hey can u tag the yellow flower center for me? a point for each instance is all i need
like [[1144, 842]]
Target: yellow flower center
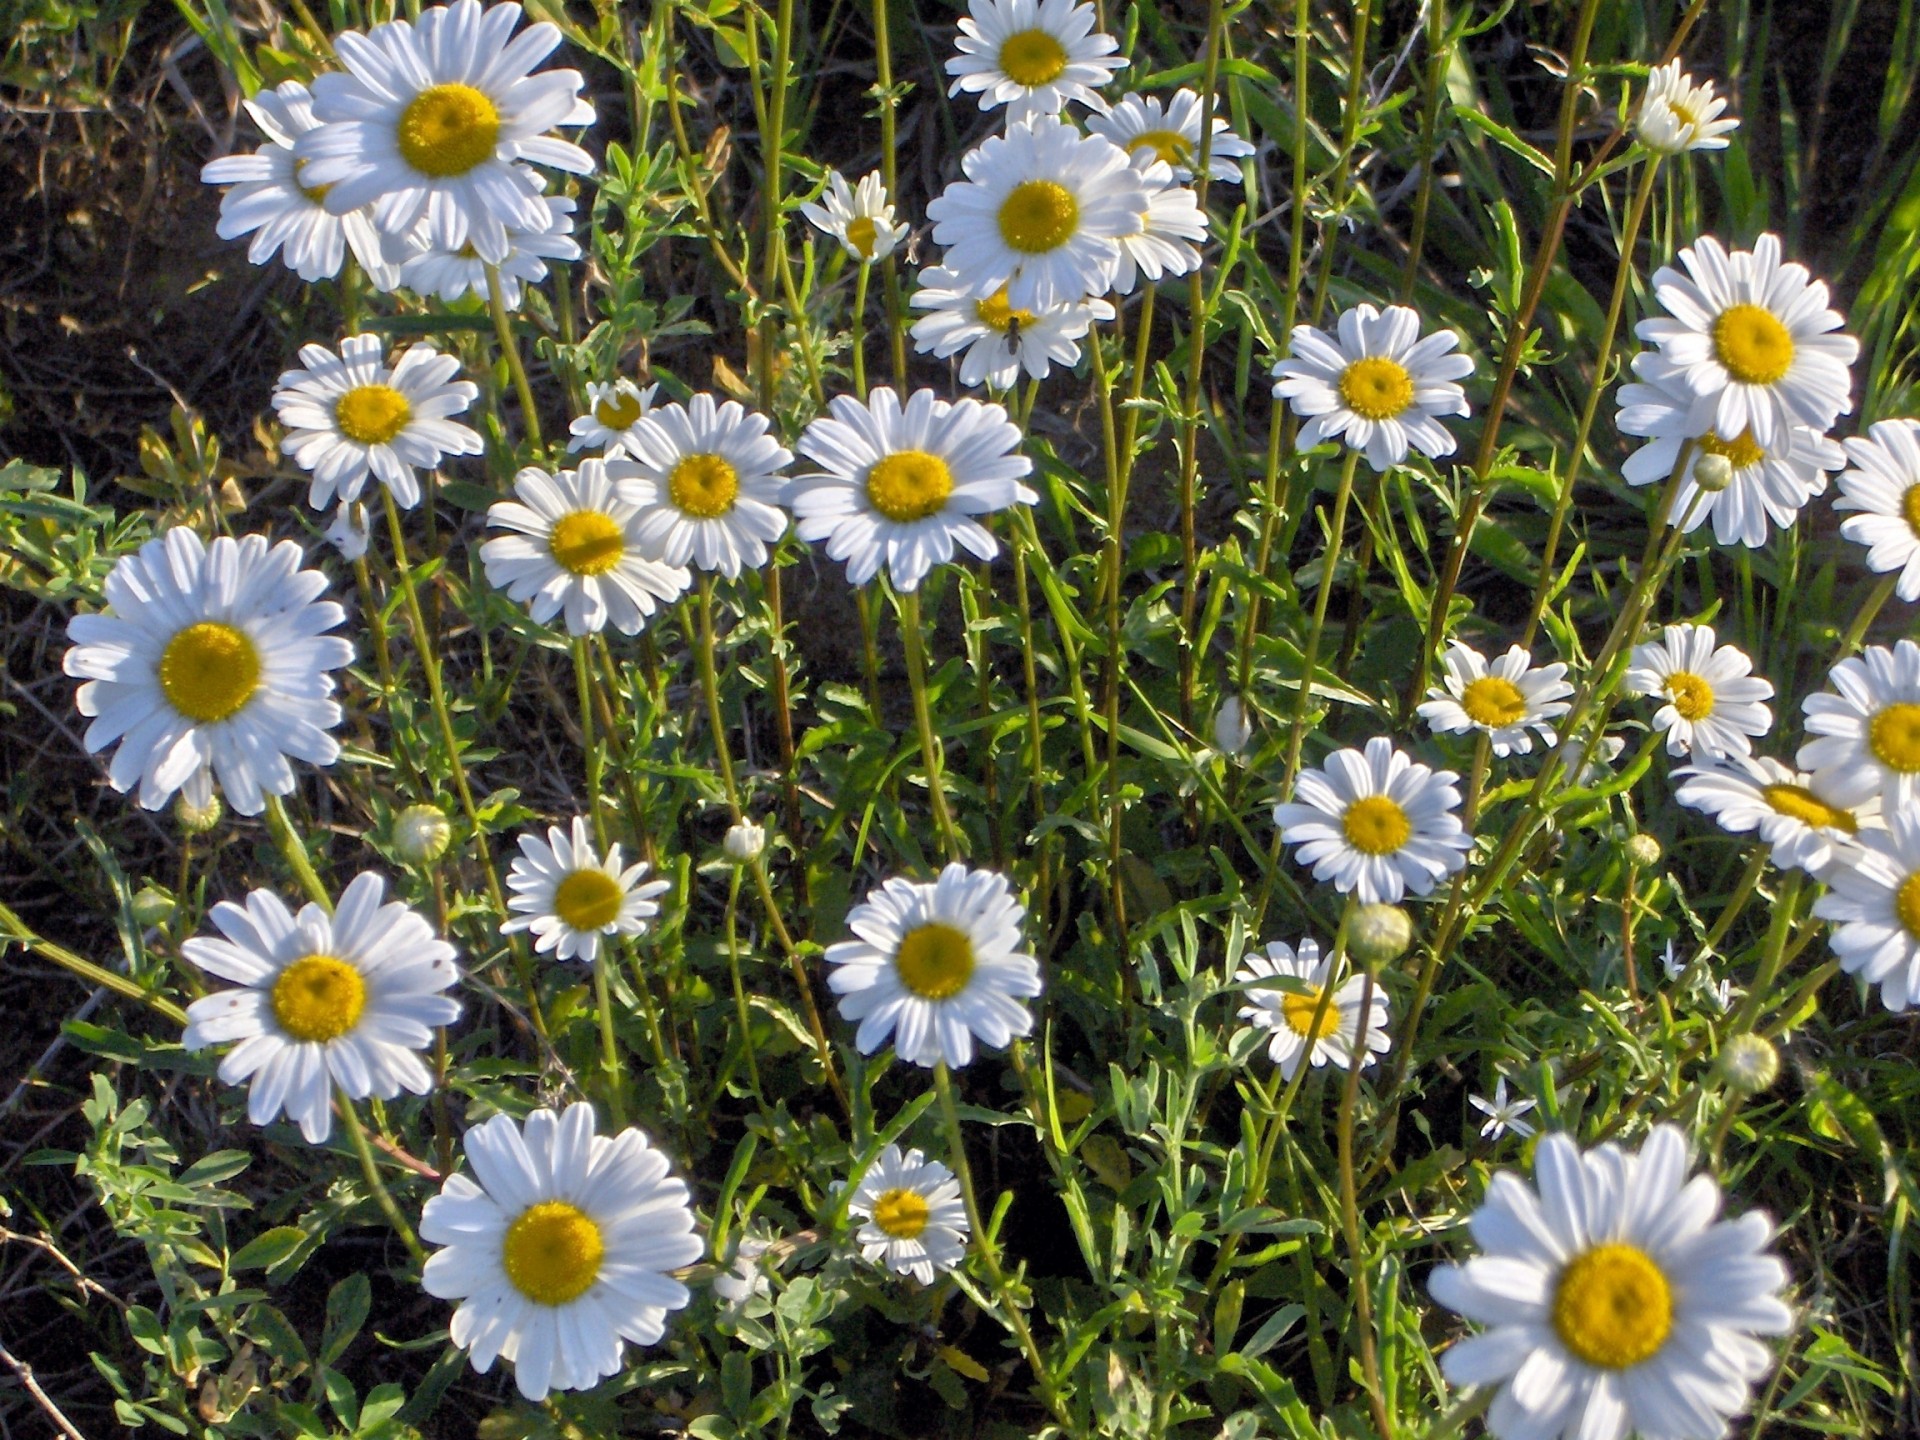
[[935, 961], [909, 485], [1692, 697], [1684, 114], [1032, 57], [861, 235], [1168, 145], [552, 1253], [618, 410], [903, 1214], [372, 414], [1376, 388], [209, 671], [1894, 737], [1376, 825], [1753, 345], [1493, 701], [1739, 452], [1038, 216], [448, 129], [1799, 803], [1906, 904], [1910, 509], [318, 998], [587, 542], [703, 486], [994, 311], [1298, 1011], [316, 193], [588, 900], [1613, 1308]]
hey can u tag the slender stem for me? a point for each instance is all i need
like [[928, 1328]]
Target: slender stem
[[1876, 599], [1350, 1215], [1112, 564], [510, 352], [742, 1016], [909, 606], [1310, 653], [595, 757], [609, 1045], [295, 853], [86, 970], [382, 1196], [710, 683], [1771, 957], [858, 327]]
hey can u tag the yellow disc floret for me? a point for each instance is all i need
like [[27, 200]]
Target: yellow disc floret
[[935, 961], [909, 485], [552, 1253], [1038, 216], [588, 900], [902, 1214], [587, 542], [1893, 734], [1799, 803], [1298, 1011], [995, 312], [1376, 825], [1910, 509], [318, 998], [1493, 701], [618, 410], [1376, 388], [703, 486], [1739, 452], [1691, 696], [1168, 145], [372, 414], [209, 671], [1613, 1307], [861, 235], [1752, 344], [1906, 904], [448, 129], [1032, 57]]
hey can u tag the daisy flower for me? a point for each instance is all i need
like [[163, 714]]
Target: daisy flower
[[1376, 824], [1679, 113], [1884, 486], [569, 897], [860, 219], [1042, 211], [286, 217], [902, 486], [579, 549], [916, 1222], [435, 122], [343, 1000], [1145, 128], [347, 532], [1867, 737], [1617, 1302], [612, 412], [560, 1248], [212, 662], [935, 966], [1874, 902], [450, 274], [1163, 243], [1504, 699], [1288, 1015], [1032, 56], [1803, 827], [1770, 482], [1714, 702], [705, 479], [349, 416], [744, 1280], [994, 341], [1503, 1114], [1753, 334], [1376, 384]]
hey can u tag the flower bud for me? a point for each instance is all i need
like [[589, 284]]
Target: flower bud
[[196, 819], [1749, 1064], [152, 906], [422, 833], [1643, 851], [1713, 473], [1379, 933], [1231, 728], [744, 843]]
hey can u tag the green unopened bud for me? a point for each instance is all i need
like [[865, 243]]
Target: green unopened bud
[[152, 906], [1713, 473], [1749, 1064], [421, 833], [1379, 933], [196, 819], [1643, 851]]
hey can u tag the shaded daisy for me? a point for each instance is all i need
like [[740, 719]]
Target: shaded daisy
[[1289, 1014], [916, 1222], [994, 341], [1377, 824], [1165, 242], [613, 410], [860, 219], [1144, 127], [1884, 486], [1714, 702], [1032, 56], [1874, 901], [569, 897], [451, 274], [1375, 384], [1745, 794], [706, 481], [1866, 731], [1679, 113], [1503, 699]]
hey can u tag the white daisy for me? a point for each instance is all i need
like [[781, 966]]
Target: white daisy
[[349, 416], [1042, 211], [612, 412], [916, 1220], [706, 481], [347, 532], [934, 966], [563, 1250], [744, 1280], [437, 120], [996, 342], [1867, 737], [1874, 902], [1142, 126], [1679, 113], [1753, 333], [1770, 482], [283, 215], [450, 274], [1288, 1014], [860, 219], [1033, 56], [569, 897], [1162, 245], [1503, 1114], [328, 1000], [902, 486], [1376, 384], [1504, 699], [1376, 824], [1884, 485], [1786, 807], [1714, 702], [212, 662]]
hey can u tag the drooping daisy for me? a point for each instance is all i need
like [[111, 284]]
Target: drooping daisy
[[1503, 1114], [902, 486], [1376, 384], [1617, 1302], [1770, 482], [450, 274], [1714, 701], [569, 897], [1679, 113], [1868, 735], [343, 1000], [560, 1249], [349, 416], [1142, 126], [579, 550], [1884, 486], [1288, 1015], [705, 479], [1755, 793], [1032, 56], [916, 1222], [1755, 334], [212, 662], [935, 966], [860, 219], [1376, 824], [612, 412], [284, 216], [1164, 243], [1504, 699], [1874, 902], [1041, 211], [994, 341]]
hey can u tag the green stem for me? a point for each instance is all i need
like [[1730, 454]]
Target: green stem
[[609, 1045], [1310, 653], [290, 846], [858, 326], [710, 683], [510, 352], [382, 1196], [595, 757], [86, 970], [909, 610], [1350, 1211]]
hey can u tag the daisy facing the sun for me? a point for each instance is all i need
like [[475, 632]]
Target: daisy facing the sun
[[1377, 823], [570, 898], [1286, 993], [1502, 699]]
